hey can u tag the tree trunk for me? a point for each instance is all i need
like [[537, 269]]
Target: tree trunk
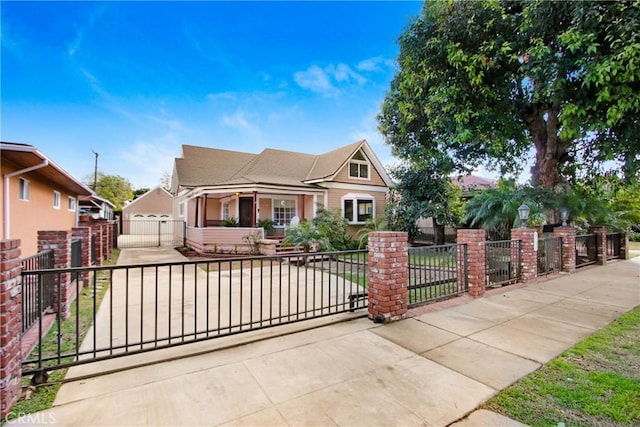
[[550, 150]]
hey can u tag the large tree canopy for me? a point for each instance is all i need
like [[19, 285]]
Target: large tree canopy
[[484, 82], [114, 188]]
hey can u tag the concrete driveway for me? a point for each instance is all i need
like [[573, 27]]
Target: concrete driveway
[[432, 369]]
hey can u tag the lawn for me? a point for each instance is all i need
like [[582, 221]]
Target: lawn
[[595, 383]]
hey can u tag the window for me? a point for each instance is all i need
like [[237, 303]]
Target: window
[[225, 210], [283, 211], [72, 203], [23, 189], [56, 199], [359, 166], [358, 208]]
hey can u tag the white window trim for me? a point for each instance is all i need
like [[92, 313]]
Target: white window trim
[[56, 199], [72, 204], [360, 162], [181, 209], [24, 194], [273, 209], [355, 197]]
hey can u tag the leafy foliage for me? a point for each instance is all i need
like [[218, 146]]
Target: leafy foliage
[[334, 227], [485, 82], [114, 188], [306, 235]]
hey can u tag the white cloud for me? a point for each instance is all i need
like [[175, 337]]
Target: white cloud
[[332, 79], [317, 80], [237, 120], [145, 161], [375, 64]]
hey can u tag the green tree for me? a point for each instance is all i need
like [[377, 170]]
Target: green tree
[[485, 82], [114, 188], [334, 227]]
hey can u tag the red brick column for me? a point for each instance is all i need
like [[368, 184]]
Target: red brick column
[[477, 259], [568, 235], [84, 233], [388, 266], [624, 246], [97, 230], [601, 243], [10, 325], [60, 242], [528, 253]]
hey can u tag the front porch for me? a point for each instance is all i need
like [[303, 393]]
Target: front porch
[[224, 221]]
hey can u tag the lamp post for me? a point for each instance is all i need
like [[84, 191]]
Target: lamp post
[[523, 211], [564, 215]]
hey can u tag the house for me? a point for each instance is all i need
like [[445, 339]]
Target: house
[[156, 205], [96, 207], [36, 195], [469, 183], [213, 185]]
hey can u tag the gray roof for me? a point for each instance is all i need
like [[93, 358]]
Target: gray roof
[[202, 166]]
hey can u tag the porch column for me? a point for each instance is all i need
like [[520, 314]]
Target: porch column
[[197, 211], [204, 211]]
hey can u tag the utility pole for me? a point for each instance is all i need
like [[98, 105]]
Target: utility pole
[[95, 173]]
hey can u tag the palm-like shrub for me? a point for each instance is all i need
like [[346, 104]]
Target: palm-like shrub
[[305, 235]]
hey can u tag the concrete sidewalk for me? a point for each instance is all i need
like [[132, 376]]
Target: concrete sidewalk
[[433, 369]]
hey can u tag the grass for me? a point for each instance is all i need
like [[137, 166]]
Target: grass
[[43, 396], [596, 383]]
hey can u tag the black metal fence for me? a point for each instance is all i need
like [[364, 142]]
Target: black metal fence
[[37, 291], [614, 243], [151, 233], [437, 272], [586, 250], [148, 307], [76, 253], [502, 262], [549, 255]]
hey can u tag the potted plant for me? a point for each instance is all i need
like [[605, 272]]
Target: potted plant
[[268, 225]]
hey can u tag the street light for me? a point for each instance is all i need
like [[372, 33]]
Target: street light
[[564, 215], [523, 211]]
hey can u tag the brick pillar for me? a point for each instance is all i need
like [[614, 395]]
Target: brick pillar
[[624, 246], [97, 230], [601, 243], [10, 325], [60, 242], [388, 266], [568, 235], [84, 233], [476, 259], [528, 253]]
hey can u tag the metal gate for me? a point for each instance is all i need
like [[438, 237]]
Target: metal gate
[[151, 233], [136, 308], [502, 262], [436, 273], [549, 255]]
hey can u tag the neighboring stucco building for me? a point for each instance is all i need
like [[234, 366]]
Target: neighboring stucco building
[[36, 195]]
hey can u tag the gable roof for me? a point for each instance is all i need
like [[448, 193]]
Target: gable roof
[[201, 166], [473, 182], [27, 156]]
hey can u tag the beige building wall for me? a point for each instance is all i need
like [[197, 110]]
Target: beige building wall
[[156, 201], [27, 217]]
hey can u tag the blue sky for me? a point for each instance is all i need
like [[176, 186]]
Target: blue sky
[[134, 81]]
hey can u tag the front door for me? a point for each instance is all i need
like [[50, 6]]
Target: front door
[[246, 211]]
